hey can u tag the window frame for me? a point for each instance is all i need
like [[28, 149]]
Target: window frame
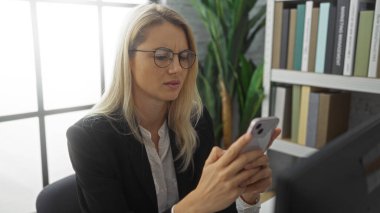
[[41, 113]]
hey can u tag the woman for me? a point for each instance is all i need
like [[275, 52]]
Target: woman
[[147, 146]]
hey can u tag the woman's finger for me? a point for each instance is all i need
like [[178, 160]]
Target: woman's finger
[[243, 160], [263, 173], [242, 177], [214, 155], [275, 134], [234, 150], [259, 186], [262, 161]]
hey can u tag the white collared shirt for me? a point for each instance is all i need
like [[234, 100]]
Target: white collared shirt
[[164, 176], [162, 166]]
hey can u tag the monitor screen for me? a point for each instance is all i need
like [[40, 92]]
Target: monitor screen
[[344, 176]]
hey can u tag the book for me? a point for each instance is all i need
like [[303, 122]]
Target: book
[[333, 116], [375, 44], [272, 100], [351, 37], [363, 44], [292, 38], [329, 55], [304, 107], [278, 8], [341, 23], [284, 38], [282, 109], [313, 39], [300, 25], [296, 98], [306, 36], [378, 66], [312, 120], [323, 21], [306, 92]]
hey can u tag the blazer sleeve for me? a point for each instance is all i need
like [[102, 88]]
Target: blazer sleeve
[[98, 189]]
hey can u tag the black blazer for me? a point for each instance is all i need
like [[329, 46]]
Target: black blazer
[[113, 171]]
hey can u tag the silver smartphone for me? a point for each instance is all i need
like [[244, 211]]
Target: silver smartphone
[[261, 130]]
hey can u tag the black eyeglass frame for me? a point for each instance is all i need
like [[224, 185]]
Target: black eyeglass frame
[[171, 58]]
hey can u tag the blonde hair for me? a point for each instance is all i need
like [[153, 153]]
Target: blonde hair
[[182, 112]]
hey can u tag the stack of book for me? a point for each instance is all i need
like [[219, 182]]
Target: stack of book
[[311, 116], [339, 37]]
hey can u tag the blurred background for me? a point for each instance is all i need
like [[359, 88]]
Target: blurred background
[[56, 58]]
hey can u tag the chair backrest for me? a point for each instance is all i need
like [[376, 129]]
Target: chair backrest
[[59, 197]]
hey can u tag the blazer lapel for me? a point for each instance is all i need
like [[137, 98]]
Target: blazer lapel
[[140, 164], [184, 179]]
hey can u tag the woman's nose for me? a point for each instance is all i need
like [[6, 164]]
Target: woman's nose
[[175, 66]]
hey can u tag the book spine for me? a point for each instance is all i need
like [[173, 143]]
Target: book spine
[[322, 37], [284, 38], [330, 39], [378, 66], [375, 44], [323, 115], [306, 36], [299, 36], [292, 38], [340, 36], [363, 43], [305, 94], [296, 98], [313, 39], [277, 34], [312, 120], [279, 106], [287, 123], [351, 38]]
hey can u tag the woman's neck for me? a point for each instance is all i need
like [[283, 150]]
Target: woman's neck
[[151, 114]]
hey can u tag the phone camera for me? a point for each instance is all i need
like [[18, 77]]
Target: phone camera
[[260, 131], [258, 126]]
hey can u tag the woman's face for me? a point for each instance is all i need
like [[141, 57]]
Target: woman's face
[[151, 82]]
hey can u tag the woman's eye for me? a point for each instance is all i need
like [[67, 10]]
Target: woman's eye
[[184, 56], [161, 57]]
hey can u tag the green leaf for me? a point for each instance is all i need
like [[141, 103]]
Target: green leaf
[[232, 29], [253, 98]]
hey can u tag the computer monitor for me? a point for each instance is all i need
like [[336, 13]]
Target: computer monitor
[[344, 176]]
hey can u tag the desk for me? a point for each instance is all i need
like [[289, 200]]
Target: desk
[[268, 206]]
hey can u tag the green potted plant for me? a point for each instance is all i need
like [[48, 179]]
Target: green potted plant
[[227, 75]]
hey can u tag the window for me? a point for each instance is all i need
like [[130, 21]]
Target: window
[[70, 55], [53, 68], [17, 67]]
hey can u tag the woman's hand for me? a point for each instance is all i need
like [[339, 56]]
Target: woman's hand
[[262, 179], [228, 174], [222, 175]]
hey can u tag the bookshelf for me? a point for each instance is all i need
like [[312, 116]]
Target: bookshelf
[[339, 82], [292, 149], [296, 77]]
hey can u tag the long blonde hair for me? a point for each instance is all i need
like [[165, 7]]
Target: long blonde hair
[[183, 111]]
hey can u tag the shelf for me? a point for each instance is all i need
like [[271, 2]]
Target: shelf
[[349, 83], [292, 148]]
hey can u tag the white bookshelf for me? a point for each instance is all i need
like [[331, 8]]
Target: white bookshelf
[[292, 149], [338, 82]]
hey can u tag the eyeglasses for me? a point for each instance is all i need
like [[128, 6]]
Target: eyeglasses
[[163, 57]]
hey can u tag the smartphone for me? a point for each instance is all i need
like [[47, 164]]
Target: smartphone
[[261, 130]]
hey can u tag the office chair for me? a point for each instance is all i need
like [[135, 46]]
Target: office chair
[[59, 197]]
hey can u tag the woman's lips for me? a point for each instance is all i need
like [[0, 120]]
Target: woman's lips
[[174, 84]]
